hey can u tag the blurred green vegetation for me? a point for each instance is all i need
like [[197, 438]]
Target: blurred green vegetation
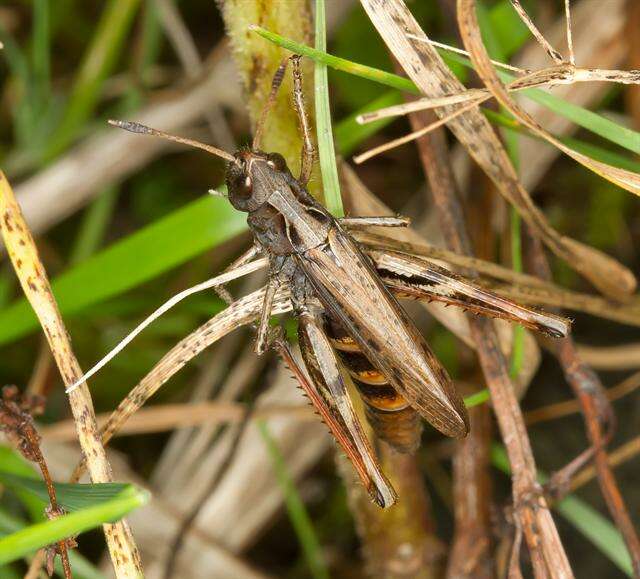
[[68, 65]]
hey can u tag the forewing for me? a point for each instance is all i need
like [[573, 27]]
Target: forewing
[[348, 285]]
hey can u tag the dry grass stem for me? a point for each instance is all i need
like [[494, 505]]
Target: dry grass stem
[[562, 74], [35, 284], [624, 357], [471, 550], [473, 42], [394, 21], [567, 12], [435, 79], [562, 409], [205, 285], [620, 455], [584, 382], [166, 417], [605, 44], [457, 50], [415, 135], [600, 423], [242, 312], [552, 52]]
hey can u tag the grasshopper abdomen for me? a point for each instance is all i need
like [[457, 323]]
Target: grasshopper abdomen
[[388, 412]]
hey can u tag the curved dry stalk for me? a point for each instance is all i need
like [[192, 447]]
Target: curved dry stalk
[[584, 382], [214, 282], [473, 41], [240, 313], [427, 70], [35, 284], [599, 424], [605, 44]]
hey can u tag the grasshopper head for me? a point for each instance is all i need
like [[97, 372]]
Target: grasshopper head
[[253, 176]]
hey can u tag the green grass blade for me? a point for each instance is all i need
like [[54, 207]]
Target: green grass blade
[[41, 50], [97, 64], [18, 544], [13, 463], [327, 154], [295, 508], [94, 225], [337, 63], [596, 528], [590, 149], [597, 124], [72, 497], [476, 399], [140, 257], [82, 568]]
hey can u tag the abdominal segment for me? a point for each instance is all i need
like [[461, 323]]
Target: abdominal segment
[[390, 415]]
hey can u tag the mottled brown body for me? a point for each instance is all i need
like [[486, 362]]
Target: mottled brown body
[[345, 307], [346, 312]]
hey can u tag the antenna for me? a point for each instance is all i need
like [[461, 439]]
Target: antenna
[[133, 127]]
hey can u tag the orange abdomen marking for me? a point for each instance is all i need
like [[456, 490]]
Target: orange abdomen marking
[[390, 415]]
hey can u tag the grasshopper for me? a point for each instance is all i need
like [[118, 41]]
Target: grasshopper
[[344, 295]]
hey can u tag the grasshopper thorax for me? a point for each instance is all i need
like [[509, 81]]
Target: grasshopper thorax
[[253, 176]]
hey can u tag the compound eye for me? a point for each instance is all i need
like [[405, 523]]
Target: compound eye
[[245, 187], [277, 160]]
